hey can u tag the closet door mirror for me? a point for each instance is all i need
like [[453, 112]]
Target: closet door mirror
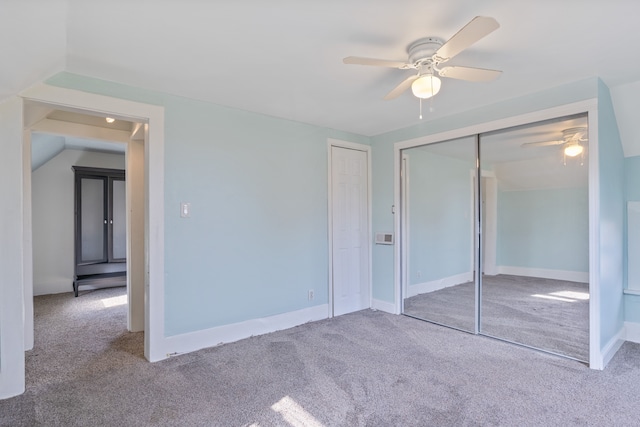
[[535, 228], [438, 200]]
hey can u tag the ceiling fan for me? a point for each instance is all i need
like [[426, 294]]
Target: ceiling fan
[[427, 54], [572, 143]]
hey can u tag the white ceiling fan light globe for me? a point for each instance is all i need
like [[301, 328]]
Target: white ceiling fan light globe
[[426, 86], [573, 150]]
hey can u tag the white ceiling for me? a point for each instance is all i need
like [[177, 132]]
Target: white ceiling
[[284, 57]]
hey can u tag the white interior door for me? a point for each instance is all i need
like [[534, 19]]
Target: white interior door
[[350, 230]]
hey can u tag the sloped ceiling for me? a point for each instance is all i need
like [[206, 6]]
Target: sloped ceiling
[[56, 130], [45, 147], [284, 57]]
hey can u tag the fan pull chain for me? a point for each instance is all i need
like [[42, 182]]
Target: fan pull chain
[[420, 99]]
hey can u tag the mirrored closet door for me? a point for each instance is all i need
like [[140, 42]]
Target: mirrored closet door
[[438, 227], [531, 246], [535, 287]]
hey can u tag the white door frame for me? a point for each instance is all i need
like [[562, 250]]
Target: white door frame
[[12, 248], [405, 209], [590, 107], [488, 264], [367, 149], [153, 116]]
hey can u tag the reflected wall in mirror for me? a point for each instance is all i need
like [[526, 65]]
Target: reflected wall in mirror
[[438, 232], [535, 287]]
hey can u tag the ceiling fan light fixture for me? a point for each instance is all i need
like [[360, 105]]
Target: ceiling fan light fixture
[[573, 150], [426, 86]]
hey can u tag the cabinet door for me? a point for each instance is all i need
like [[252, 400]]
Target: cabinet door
[[118, 221], [93, 220]]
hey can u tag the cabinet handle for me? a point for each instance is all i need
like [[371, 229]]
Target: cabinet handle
[[105, 221], [111, 222]]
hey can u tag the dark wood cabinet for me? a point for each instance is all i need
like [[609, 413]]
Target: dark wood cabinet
[[100, 227]]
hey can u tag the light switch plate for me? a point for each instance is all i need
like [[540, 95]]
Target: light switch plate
[[185, 210], [384, 238]]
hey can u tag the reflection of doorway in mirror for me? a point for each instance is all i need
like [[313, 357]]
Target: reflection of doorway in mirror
[[488, 241], [483, 223], [489, 222]]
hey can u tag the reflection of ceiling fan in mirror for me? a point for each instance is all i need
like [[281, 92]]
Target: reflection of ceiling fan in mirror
[[572, 141], [427, 54]]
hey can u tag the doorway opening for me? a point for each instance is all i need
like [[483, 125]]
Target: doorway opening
[[62, 142], [146, 298]]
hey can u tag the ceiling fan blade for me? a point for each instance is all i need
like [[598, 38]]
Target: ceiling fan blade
[[542, 143], [580, 136], [477, 28], [469, 73], [376, 62], [404, 85]]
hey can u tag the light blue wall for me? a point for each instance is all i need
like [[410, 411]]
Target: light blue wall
[[632, 308], [612, 214], [546, 229], [256, 241], [382, 255], [440, 215], [632, 191], [632, 178], [44, 147], [632, 184], [382, 146]]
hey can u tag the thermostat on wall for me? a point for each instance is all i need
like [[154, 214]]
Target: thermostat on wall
[[384, 239]]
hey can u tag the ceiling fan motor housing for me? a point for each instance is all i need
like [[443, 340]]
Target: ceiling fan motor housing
[[421, 51], [576, 133]]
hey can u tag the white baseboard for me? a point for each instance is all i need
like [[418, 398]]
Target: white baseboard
[[436, 285], [53, 287], [185, 343], [571, 276], [632, 331], [388, 307], [611, 348], [67, 287]]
